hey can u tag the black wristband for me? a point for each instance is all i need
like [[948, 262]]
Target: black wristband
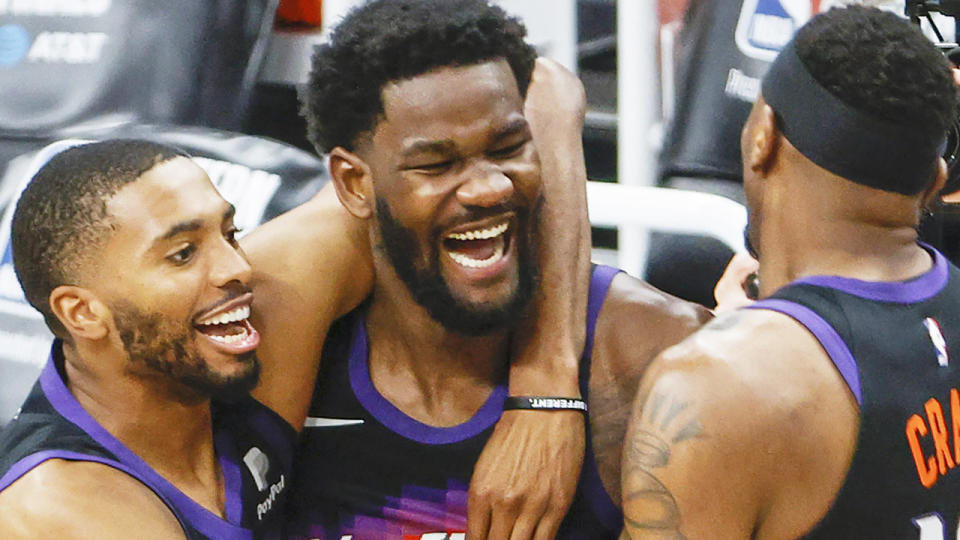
[[539, 403]]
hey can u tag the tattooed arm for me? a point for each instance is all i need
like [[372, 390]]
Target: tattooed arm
[[727, 434]]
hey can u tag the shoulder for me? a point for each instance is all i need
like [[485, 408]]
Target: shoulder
[[755, 376], [83, 500], [749, 406], [637, 321]]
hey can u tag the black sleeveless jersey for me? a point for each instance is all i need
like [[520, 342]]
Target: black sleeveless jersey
[[366, 470], [254, 446], [892, 341]]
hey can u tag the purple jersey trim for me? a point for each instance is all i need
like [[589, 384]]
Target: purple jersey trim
[[831, 342], [599, 284], [597, 497], [32, 461], [232, 476], [918, 289], [199, 517], [395, 420]]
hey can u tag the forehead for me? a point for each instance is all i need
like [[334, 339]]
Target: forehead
[[451, 101], [172, 192]]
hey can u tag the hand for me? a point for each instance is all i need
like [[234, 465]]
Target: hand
[[555, 95], [738, 278], [525, 494]]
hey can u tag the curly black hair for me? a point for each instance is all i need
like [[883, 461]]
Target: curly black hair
[[61, 216], [384, 41], [881, 64]]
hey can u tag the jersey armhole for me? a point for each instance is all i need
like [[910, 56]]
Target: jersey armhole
[[32, 461], [828, 337]]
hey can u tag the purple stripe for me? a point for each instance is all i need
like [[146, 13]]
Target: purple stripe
[[590, 483], [918, 289], [395, 420], [199, 517], [599, 284], [28, 463], [232, 479], [831, 342], [597, 497]]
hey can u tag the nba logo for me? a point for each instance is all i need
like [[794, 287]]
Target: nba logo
[[765, 26]]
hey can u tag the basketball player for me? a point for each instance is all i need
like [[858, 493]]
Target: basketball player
[[830, 408], [139, 225], [141, 424], [420, 105]]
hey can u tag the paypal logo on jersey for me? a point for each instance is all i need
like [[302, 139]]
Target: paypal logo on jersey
[[765, 26]]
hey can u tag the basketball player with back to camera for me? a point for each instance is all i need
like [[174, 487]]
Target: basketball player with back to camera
[[829, 408]]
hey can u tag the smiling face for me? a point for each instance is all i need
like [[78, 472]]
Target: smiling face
[[175, 281], [457, 184]]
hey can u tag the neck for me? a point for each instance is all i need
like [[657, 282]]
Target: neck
[[175, 438], [841, 229], [432, 374]]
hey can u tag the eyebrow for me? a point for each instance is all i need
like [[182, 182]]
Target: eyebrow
[[517, 125], [194, 224], [443, 146], [447, 146]]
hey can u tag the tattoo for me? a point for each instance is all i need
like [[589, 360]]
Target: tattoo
[[650, 510]]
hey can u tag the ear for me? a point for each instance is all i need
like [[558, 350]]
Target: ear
[[930, 195], [762, 139], [351, 178], [80, 312]]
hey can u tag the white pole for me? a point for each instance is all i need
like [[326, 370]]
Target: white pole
[[636, 104]]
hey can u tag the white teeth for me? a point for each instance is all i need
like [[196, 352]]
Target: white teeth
[[482, 234], [228, 340], [238, 314], [464, 260]]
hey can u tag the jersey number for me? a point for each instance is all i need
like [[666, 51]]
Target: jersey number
[[931, 527]]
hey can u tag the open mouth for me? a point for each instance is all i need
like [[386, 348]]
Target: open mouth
[[230, 328], [478, 248]]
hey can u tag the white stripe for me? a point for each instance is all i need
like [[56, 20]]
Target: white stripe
[[317, 421]]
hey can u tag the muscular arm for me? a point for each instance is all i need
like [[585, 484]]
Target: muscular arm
[[526, 477], [311, 265], [742, 431], [83, 501]]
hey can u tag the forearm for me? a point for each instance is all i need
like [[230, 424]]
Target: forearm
[[547, 353]]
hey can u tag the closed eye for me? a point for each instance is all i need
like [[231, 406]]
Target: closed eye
[[435, 167], [508, 151]]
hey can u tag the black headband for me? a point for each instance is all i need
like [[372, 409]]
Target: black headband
[[843, 140]]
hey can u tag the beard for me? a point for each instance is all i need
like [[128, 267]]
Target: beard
[[431, 291], [160, 346]]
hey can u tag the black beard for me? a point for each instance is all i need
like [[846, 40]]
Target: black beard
[[149, 339], [431, 291]]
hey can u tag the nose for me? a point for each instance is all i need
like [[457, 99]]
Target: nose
[[486, 186], [229, 264]]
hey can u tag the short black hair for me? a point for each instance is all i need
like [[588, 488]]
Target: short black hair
[[384, 41], [881, 64], [62, 216]]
